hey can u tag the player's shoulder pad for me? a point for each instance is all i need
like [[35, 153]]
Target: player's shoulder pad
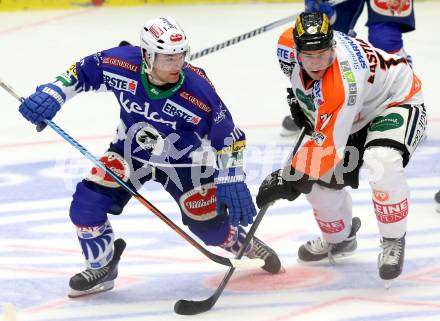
[[285, 46], [126, 58], [198, 76]]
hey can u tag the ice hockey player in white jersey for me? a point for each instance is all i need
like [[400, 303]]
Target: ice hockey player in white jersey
[[387, 21], [363, 108]]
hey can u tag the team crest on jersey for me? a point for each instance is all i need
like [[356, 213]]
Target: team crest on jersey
[[200, 203], [117, 164], [149, 139], [399, 8], [120, 82]]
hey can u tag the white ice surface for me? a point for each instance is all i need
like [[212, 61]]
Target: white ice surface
[[38, 248]]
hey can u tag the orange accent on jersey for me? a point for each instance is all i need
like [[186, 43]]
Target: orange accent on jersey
[[316, 157], [415, 88], [286, 38]]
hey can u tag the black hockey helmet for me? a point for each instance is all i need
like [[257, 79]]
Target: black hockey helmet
[[312, 32]]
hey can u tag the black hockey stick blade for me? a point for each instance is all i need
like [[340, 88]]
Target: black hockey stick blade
[[189, 307]]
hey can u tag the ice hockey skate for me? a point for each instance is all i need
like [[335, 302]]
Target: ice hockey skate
[[318, 249], [390, 261], [92, 281], [270, 257], [256, 249], [289, 127]]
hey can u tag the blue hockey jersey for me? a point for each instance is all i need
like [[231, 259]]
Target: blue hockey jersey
[[165, 127]]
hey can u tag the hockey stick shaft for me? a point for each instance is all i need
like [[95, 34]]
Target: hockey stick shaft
[[242, 37], [214, 257], [187, 307]]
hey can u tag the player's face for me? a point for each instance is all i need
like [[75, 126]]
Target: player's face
[[316, 62], [166, 68]]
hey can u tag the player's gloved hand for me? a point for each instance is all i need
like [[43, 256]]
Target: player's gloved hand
[[298, 116], [235, 196], [320, 6], [43, 104], [275, 187]]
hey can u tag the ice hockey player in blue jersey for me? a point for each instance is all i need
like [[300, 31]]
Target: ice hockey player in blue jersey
[[171, 121]]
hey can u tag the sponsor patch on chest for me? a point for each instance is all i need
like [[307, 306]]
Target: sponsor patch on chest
[[120, 82], [176, 111]]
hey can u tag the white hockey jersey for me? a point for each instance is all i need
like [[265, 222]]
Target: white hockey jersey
[[360, 84]]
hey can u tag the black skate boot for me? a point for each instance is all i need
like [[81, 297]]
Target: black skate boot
[[255, 249], [390, 261], [437, 200], [263, 251], [289, 127], [319, 249], [92, 281]]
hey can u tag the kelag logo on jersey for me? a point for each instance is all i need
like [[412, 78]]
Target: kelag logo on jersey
[[174, 110], [120, 82]]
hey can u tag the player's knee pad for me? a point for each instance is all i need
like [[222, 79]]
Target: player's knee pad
[[96, 244], [213, 232], [384, 167], [89, 207], [333, 212], [386, 36], [390, 189]]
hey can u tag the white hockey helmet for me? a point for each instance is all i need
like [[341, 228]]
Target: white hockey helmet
[[162, 35]]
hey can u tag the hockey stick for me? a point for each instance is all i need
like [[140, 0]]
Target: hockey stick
[[189, 307], [214, 257], [236, 39], [242, 37]]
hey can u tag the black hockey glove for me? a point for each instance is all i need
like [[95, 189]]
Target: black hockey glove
[[298, 116], [275, 187]]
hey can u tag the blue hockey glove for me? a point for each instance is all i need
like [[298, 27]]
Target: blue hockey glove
[[320, 6], [237, 198], [43, 104]]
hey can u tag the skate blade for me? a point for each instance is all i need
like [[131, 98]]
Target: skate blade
[[105, 286], [325, 261]]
